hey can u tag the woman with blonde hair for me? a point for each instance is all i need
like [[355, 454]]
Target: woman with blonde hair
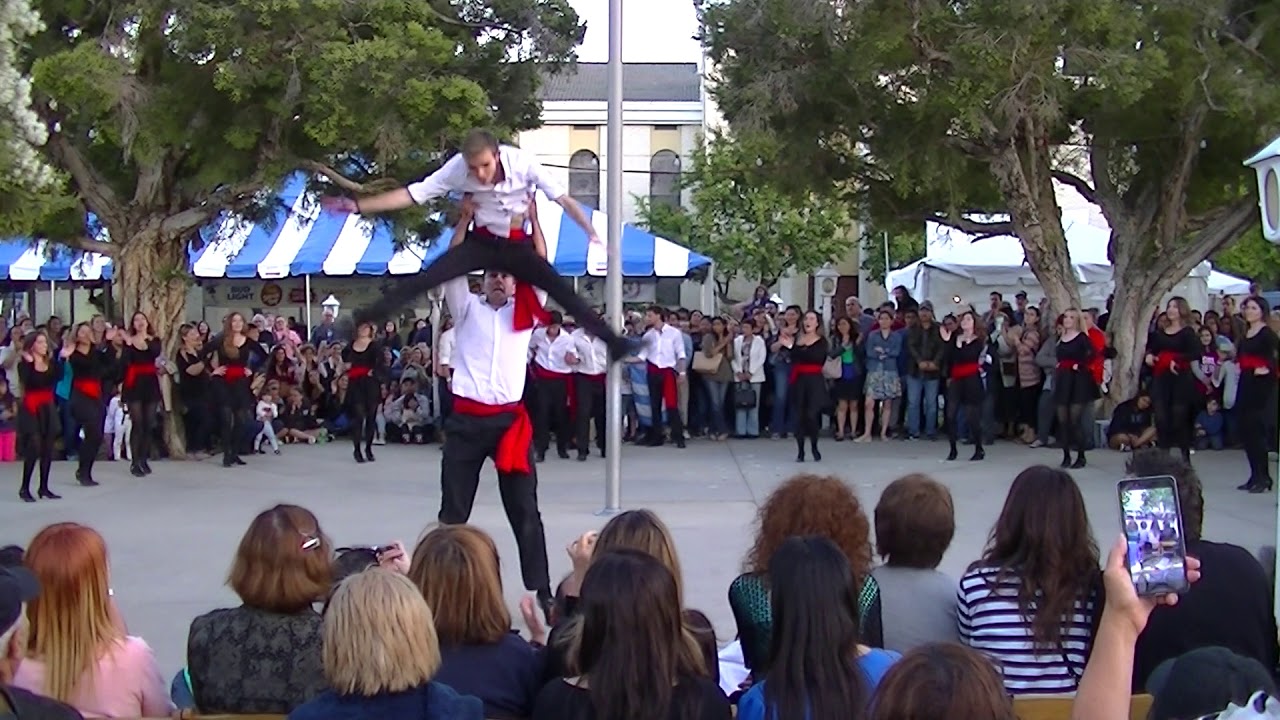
[[380, 655], [78, 651], [457, 570]]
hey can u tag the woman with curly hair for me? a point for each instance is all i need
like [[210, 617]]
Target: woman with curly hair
[[803, 505], [1031, 601]]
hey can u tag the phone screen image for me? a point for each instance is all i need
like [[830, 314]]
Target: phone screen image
[[1152, 522]]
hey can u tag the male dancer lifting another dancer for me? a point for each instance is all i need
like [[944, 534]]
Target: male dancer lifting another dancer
[[501, 181], [489, 418]]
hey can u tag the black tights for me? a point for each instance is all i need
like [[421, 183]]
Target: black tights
[[90, 413], [37, 449], [363, 396], [1169, 401], [234, 417], [1070, 432], [518, 258], [143, 416], [964, 395]]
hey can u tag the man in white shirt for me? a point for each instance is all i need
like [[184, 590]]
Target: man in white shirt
[[590, 361], [553, 387], [489, 418], [444, 354], [501, 180], [664, 355]]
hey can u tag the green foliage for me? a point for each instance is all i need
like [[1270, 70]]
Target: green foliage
[[1251, 257], [182, 109], [748, 225], [904, 249]]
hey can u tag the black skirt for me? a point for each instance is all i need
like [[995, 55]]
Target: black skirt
[[1074, 387], [42, 425]]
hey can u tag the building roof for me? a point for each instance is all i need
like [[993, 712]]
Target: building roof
[[641, 82]]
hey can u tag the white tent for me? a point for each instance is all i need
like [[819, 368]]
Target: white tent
[[1221, 283]]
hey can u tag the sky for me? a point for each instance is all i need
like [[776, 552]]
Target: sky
[[652, 30]]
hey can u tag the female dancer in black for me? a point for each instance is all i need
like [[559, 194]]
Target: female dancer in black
[[1256, 394], [808, 389], [363, 358], [38, 425], [230, 357], [89, 365], [1171, 352], [140, 390], [193, 391], [965, 392], [1073, 386]]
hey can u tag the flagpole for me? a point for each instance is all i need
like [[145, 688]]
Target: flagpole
[[613, 277]]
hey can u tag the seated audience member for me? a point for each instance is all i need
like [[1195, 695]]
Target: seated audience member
[[1205, 681], [1229, 607], [804, 505], [456, 568], [1132, 424], [264, 656], [380, 655], [78, 651], [818, 666], [632, 650], [1030, 601], [1211, 427], [632, 530], [915, 521], [18, 587], [942, 681]]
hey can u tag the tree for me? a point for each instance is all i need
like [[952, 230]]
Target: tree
[[904, 248], [750, 227], [946, 109], [25, 177], [1252, 257], [165, 114]]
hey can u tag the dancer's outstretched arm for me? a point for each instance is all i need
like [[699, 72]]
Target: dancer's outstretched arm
[[447, 179]]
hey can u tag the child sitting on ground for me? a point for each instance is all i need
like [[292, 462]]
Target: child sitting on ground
[[1210, 427], [266, 412]]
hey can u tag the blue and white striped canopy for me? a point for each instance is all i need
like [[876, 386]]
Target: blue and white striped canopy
[[303, 239]]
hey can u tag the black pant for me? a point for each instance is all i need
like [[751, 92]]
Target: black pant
[[363, 396], [1171, 396], [142, 437], [234, 409], [518, 258], [657, 380], [552, 414], [965, 395], [590, 408], [197, 424], [1256, 409], [468, 442], [90, 413], [446, 399]]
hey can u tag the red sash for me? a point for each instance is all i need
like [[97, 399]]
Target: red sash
[[1071, 365], [960, 371], [137, 370], [1168, 361], [88, 387], [571, 396], [800, 369], [1249, 363], [359, 371], [513, 447], [669, 398], [33, 400], [529, 310], [235, 372]]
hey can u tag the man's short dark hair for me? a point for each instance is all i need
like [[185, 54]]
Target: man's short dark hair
[[556, 317], [11, 556], [657, 310], [915, 522], [479, 141], [1153, 462]]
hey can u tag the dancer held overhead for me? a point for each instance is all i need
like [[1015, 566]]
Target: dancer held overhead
[[501, 181]]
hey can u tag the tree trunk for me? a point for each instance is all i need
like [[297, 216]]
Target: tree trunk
[[151, 277], [1136, 298]]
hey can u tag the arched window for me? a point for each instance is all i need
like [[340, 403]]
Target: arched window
[[584, 178], [664, 179]]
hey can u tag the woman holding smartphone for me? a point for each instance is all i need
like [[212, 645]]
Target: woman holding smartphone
[[1256, 396]]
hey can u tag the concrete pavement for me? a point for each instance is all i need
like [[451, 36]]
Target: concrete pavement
[[172, 535]]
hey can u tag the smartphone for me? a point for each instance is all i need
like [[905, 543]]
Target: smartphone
[[1152, 520]]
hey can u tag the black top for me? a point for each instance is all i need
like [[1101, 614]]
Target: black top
[[1263, 345], [244, 660], [134, 356], [23, 705], [1128, 418], [814, 354], [967, 354], [694, 699], [367, 358], [1184, 343], [1229, 607], [505, 675], [1076, 350], [36, 380], [93, 365], [191, 387], [243, 355]]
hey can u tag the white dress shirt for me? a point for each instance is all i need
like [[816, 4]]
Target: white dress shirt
[[663, 347], [496, 205], [549, 353], [593, 354], [444, 352], [488, 358], [751, 361]]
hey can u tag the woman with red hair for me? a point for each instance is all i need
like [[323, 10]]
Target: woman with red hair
[[79, 652]]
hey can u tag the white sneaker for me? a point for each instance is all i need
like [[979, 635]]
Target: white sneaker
[[379, 440]]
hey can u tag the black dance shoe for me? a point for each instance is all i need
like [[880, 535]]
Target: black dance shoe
[[26, 496], [47, 494]]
